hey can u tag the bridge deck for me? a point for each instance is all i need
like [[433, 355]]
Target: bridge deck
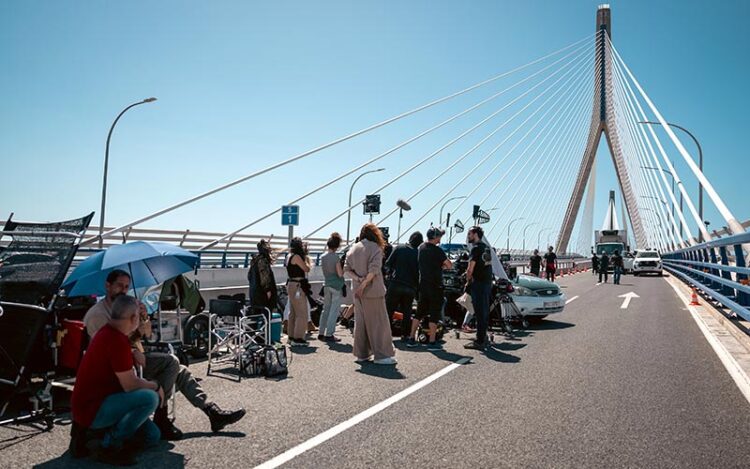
[[597, 386]]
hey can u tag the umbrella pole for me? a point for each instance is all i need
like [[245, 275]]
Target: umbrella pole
[[132, 280]]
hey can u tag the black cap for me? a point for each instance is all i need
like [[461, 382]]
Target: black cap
[[434, 232]]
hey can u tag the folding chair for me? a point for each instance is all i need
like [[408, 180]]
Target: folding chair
[[234, 329], [20, 328]]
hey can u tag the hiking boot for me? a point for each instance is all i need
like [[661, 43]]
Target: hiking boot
[[168, 431], [112, 456], [221, 418]]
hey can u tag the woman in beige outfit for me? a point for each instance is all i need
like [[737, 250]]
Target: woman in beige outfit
[[372, 331]]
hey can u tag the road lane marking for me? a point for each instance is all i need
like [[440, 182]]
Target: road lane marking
[[360, 417], [733, 368], [628, 296], [571, 299]]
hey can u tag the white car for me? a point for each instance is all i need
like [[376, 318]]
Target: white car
[[647, 262], [536, 297]]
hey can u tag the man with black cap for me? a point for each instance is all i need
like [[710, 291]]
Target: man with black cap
[[432, 260]]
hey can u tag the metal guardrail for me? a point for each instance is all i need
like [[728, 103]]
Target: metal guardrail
[[707, 267]]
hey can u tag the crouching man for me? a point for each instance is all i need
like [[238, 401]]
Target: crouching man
[[164, 368], [110, 403]]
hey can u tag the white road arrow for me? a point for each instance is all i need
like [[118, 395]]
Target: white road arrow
[[628, 296]]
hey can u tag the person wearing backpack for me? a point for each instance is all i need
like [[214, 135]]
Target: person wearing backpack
[[261, 278]]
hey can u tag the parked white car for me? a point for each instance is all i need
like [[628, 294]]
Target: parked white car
[[647, 262], [536, 298]]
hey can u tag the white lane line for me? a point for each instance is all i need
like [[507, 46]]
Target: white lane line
[[360, 417], [735, 370], [571, 299]]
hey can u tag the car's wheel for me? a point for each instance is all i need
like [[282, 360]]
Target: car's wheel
[[635, 274], [525, 323], [196, 335]]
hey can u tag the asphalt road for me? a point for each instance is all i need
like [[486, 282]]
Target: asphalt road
[[596, 386]]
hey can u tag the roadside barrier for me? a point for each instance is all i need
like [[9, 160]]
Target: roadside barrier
[[707, 267]]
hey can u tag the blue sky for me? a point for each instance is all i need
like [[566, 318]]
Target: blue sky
[[243, 84]]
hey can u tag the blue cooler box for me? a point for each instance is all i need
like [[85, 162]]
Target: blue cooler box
[[276, 327]]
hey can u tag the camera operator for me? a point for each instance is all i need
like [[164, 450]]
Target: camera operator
[[479, 284], [432, 260]]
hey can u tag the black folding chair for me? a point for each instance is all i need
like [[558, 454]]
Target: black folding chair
[[21, 328]]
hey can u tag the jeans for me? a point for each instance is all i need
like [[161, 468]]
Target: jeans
[[126, 415], [480, 299], [165, 369], [400, 298], [617, 274], [603, 272], [331, 305]]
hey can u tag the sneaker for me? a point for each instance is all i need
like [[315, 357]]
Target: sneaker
[[411, 343], [299, 343], [473, 345], [221, 418], [385, 361], [364, 360], [332, 339], [434, 346], [322, 338], [468, 329]]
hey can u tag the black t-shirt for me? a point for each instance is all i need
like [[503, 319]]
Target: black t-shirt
[[483, 265], [404, 266], [549, 260], [431, 260], [536, 262], [617, 260]]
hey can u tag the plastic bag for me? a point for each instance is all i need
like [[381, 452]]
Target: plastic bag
[[465, 302]]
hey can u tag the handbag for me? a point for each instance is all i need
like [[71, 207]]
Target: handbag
[[275, 361], [465, 302]]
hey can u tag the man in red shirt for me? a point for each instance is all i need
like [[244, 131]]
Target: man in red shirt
[[108, 397]]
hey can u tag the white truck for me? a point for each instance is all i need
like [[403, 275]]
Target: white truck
[[612, 238]]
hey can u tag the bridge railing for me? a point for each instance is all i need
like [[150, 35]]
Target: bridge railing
[[707, 267]]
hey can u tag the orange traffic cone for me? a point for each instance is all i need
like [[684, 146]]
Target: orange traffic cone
[[694, 299]]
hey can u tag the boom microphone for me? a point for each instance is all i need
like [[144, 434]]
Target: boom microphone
[[403, 205]]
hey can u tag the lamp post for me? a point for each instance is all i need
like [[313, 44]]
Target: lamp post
[[507, 247], [440, 221], [700, 165], [669, 173], [106, 165], [349, 212], [524, 234], [539, 236]]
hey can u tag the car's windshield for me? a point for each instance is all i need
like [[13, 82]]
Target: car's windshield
[[647, 254], [609, 248]]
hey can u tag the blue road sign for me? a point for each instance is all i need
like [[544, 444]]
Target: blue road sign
[[290, 215]]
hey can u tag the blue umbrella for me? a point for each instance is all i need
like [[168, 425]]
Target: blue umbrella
[[148, 263]]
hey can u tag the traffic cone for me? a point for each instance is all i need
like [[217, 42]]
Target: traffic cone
[[694, 299]]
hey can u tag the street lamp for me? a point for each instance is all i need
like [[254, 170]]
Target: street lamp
[[349, 212], [669, 173], [106, 165], [440, 220], [539, 236], [524, 234], [507, 247], [700, 165]]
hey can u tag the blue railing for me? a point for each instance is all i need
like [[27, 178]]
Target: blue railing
[[707, 267]]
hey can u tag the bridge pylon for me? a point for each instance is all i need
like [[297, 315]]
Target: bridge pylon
[[603, 113]]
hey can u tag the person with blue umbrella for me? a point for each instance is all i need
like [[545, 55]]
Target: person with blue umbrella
[[142, 264]]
